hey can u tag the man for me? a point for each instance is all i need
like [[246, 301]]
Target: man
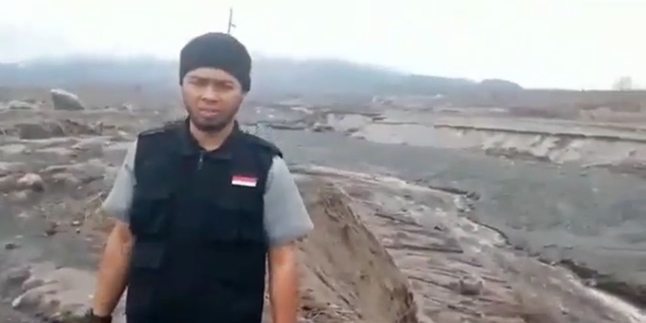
[[200, 206]]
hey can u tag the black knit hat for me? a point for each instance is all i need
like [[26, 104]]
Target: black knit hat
[[217, 50]]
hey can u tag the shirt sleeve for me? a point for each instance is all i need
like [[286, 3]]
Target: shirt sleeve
[[286, 218], [117, 204]]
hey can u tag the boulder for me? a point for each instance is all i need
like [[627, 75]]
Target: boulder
[[64, 100], [31, 181]]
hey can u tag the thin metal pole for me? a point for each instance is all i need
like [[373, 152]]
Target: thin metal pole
[[230, 25]]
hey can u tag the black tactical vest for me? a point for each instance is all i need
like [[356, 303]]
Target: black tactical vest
[[197, 218]]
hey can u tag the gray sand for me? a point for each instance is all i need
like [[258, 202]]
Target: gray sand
[[589, 215]]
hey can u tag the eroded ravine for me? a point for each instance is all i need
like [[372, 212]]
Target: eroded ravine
[[453, 263], [556, 212]]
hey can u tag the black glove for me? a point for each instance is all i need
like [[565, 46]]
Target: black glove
[[91, 318]]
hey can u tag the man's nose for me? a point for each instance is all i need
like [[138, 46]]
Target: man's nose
[[210, 94]]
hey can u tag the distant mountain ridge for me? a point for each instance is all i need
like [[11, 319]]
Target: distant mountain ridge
[[270, 75]]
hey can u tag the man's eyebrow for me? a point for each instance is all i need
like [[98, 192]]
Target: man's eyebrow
[[201, 78]]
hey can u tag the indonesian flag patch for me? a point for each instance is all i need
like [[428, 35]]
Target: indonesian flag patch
[[247, 181]]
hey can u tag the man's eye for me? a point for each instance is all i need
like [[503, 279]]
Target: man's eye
[[225, 86], [198, 82]]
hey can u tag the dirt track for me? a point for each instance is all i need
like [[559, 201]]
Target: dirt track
[[444, 256]]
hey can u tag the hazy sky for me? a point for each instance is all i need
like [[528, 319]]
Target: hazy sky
[[548, 43]]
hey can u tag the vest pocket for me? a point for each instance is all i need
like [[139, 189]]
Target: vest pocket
[[143, 280], [233, 222], [251, 225], [150, 212]]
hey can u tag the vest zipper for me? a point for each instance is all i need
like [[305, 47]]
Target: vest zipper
[[200, 161]]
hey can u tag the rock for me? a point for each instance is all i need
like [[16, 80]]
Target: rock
[[127, 107], [64, 100], [39, 130], [318, 127], [11, 245], [52, 229], [286, 126], [47, 129], [75, 174], [91, 144], [470, 286], [31, 181], [52, 292], [21, 105]]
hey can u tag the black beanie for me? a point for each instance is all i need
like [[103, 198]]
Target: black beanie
[[217, 50]]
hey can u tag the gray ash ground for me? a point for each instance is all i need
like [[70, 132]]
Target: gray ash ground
[[592, 216]]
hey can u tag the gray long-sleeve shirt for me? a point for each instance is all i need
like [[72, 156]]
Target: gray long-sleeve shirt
[[285, 216]]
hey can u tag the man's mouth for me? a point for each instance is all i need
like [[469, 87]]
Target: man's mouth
[[208, 113]]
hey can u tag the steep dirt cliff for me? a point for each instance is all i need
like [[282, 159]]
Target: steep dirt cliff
[[348, 275]]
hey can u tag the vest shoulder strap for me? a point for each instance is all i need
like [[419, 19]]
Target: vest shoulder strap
[[263, 144], [165, 128]]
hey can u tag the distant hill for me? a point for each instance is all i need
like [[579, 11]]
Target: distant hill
[[271, 76]]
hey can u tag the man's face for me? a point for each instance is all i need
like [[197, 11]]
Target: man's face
[[212, 98]]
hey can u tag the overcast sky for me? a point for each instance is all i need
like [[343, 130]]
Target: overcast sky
[[548, 43]]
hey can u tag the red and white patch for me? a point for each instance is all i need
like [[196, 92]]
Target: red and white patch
[[246, 181]]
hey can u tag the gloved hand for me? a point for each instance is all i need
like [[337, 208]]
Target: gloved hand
[[91, 318]]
